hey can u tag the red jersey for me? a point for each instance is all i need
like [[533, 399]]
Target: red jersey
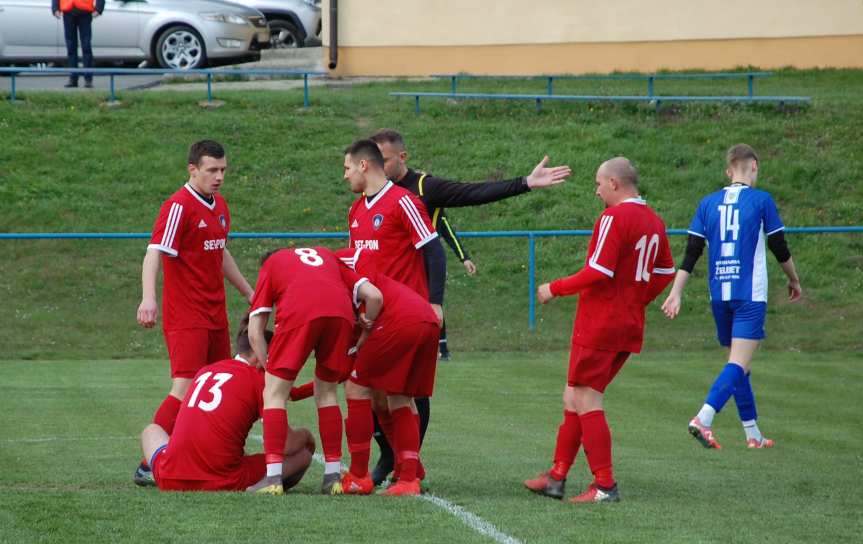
[[303, 284], [629, 245], [224, 401], [402, 306], [191, 234], [394, 224]]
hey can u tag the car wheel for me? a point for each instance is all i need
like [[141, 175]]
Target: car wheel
[[285, 35], [180, 48]]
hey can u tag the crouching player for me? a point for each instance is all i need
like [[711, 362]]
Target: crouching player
[[311, 293], [397, 354], [205, 451]]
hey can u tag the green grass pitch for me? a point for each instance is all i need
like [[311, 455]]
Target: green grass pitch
[[68, 447]]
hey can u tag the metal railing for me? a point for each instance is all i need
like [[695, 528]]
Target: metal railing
[[650, 78], [113, 72], [531, 236]]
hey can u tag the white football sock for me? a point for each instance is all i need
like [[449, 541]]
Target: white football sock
[[332, 467], [705, 415], [752, 431], [274, 469]]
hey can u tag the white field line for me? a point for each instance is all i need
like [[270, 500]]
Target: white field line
[[64, 439], [470, 519]]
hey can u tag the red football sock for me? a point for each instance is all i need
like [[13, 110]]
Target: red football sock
[[359, 428], [330, 429], [302, 392], [596, 437], [568, 442], [408, 442], [275, 434], [166, 414], [385, 420]]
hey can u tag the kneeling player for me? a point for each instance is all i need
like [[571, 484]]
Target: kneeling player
[[205, 451], [397, 354], [311, 293]]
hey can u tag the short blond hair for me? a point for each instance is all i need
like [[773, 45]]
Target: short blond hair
[[738, 153]]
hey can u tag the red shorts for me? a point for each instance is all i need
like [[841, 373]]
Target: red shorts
[[594, 368], [191, 349], [400, 361], [330, 339], [251, 470]]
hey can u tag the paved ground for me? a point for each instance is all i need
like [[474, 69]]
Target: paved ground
[[301, 59]]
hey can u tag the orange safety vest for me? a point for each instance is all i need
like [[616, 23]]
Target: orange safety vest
[[82, 5]]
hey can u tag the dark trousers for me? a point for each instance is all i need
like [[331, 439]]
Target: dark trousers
[[75, 23]]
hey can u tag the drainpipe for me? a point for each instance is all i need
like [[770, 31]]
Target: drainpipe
[[334, 34]]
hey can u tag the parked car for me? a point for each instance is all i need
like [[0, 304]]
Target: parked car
[[180, 34], [293, 23]]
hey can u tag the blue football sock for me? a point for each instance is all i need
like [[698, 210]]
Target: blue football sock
[[724, 385], [745, 400]]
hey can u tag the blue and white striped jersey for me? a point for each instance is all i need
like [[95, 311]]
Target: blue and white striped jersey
[[736, 221]]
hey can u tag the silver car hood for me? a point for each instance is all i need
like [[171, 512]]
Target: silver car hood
[[205, 6]]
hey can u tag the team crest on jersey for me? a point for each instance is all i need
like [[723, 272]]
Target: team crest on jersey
[[377, 221], [223, 222]]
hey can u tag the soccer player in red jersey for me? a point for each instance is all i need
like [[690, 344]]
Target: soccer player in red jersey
[[397, 354], [205, 451], [189, 238], [311, 293], [628, 264], [393, 223]]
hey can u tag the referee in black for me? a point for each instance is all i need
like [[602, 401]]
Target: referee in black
[[437, 194]]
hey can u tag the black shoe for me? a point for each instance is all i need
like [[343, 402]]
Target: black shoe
[[332, 484], [70, 84], [88, 84], [382, 470], [144, 476], [444, 356]]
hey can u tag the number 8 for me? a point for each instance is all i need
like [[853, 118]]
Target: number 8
[[309, 256]]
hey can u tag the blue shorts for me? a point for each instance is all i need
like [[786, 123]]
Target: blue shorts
[[739, 319]]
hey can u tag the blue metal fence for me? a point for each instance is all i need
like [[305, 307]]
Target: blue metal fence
[[531, 236], [113, 72]]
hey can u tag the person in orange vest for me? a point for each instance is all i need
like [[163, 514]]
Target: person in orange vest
[[78, 20]]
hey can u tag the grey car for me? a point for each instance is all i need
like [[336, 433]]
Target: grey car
[[180, 34], [293, 23]]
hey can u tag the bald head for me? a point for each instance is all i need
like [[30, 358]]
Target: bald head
[[616, 180], [621, 169]]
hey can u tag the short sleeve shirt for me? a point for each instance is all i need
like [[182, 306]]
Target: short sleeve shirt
[[629, 245], [191, 234], [223, 402], [395, 225], [735, 221], [302, 284]]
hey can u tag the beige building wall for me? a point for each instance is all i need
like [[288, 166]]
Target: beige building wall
[[421, 37]]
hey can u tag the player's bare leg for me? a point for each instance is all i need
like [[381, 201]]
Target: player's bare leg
[[153, 437], [164, 417], [407, 441], [596, 438], [299, 449], [358, 429], [275, 416]]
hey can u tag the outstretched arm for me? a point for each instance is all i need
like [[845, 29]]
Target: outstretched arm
[[440, 193]]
